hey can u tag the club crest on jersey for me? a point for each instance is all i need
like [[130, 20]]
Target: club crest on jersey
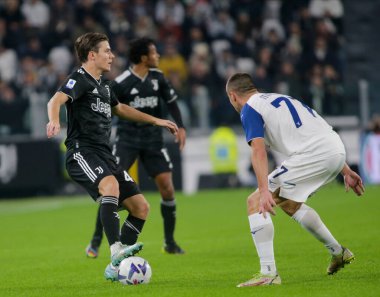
[[71, 83], [155, 84], [101, 107], [108, 90]]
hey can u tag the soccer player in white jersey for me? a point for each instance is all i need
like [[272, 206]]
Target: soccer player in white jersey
[[315, 156]]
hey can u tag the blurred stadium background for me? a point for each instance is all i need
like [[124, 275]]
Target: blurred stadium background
[[322, 51]]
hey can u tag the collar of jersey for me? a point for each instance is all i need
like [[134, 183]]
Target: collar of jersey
[[97, 81], [138, 76]]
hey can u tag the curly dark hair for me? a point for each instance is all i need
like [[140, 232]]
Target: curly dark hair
[[138, 48]]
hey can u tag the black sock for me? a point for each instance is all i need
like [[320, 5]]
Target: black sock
[[98, 233], [168, 212], [110, 218], [131, 229]]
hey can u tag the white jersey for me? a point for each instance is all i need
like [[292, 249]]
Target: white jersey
[[288, 126]]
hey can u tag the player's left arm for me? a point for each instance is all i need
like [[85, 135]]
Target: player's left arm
[[169, 95], [352, 180], [176, 115], [127, 112]]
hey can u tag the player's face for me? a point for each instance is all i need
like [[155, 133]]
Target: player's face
[[104, 57], [153, 57]]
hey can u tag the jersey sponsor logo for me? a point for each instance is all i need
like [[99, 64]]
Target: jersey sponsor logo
[[155, 84], [71, 83], [134, 91], [101, 107], [80, 70], [95, 91], [144, 102]]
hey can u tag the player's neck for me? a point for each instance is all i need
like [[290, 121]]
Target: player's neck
[[248, 95], [140, 69], [92, 70]]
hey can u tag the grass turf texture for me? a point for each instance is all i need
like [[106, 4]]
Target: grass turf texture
[[43, 240]]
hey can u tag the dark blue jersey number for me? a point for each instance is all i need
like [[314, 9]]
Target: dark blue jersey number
[[296, 118]]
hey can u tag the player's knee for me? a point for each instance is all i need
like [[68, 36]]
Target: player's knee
[[142, 210], [167, 191], [290, 207], [253, 203]]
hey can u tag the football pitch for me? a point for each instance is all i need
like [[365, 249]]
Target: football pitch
[[42, 246]]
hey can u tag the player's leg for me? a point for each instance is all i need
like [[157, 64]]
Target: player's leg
[[92, 250], [307, 181], [262, 231], [165, 186], [159, 166], [138, 208], [95, 172], [109, 189], [125, 157], [309, 219]]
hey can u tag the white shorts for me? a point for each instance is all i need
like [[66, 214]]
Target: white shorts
[[300, 176]]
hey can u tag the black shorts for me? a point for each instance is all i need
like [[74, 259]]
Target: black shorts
[[88, 168], [155, 161]]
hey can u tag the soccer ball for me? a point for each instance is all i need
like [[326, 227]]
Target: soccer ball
[[134, 271]]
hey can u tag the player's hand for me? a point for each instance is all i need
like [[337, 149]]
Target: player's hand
[[52, 129], [266, 203], [353, 181], [172, 127], [181, 138]]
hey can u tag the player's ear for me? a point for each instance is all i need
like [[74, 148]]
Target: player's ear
[[144, 58], [233, 96], [91, 55]]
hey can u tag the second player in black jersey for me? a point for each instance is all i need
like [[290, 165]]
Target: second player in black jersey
[[145, 88], [89, 160]]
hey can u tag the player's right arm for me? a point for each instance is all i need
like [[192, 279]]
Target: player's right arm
[[53, 107], [127, 112], [259, 159]]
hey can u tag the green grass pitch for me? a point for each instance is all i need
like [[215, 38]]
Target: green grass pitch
[[42, 246]]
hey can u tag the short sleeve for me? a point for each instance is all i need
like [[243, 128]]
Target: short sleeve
[[167, 92], [73, 87], [114, 100], [117, 89], [252, 122]]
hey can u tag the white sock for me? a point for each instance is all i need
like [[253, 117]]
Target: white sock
[[262, 231], [115, 247], [310, 220]]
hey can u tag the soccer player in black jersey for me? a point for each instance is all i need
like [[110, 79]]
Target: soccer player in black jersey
[[89, 159], [144, 87]]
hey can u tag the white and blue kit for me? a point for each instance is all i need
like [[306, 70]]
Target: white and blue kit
[[314, 152]]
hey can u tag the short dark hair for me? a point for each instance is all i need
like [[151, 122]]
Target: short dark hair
[[138, 48], [88, 42], [241, 83]]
